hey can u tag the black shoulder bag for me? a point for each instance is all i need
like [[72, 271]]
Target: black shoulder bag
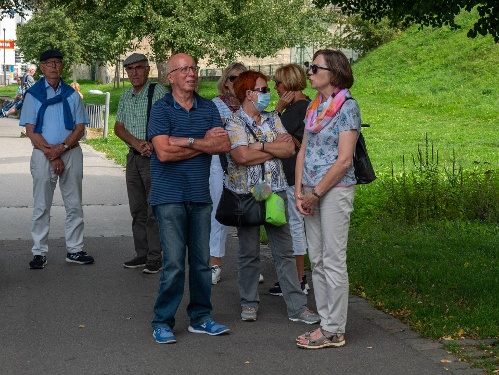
[[241, 210], [364, 171]]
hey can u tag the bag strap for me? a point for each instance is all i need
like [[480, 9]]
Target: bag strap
[[256, 138], [150, 94]]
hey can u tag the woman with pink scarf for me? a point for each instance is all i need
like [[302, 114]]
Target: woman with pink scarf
[[324, 191]]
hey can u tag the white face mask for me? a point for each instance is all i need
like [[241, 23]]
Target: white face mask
[[263, 102]]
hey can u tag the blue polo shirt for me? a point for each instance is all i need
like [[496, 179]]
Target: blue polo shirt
[[184, 180], [53, 131]]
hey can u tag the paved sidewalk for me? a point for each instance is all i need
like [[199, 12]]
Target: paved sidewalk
[[95, 319]]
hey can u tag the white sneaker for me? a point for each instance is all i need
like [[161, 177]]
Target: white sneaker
[[215, 274], [261, 279]]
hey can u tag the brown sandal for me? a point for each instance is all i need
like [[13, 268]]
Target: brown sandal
[[306, 335], [322, 341]]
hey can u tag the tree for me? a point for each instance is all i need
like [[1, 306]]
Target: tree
[[50, 29], [424, 12], [364, 35], [220, 30]]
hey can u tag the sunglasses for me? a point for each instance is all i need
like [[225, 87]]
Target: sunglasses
[[314, 68], [263, 90], [232, 78]]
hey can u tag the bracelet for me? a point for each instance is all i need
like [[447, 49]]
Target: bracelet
[[315, 193]]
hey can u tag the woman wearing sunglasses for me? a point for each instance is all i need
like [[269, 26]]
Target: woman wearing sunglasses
[[259, 140], [325, 186], [227, 103]]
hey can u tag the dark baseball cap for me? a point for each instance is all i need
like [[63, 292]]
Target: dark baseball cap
[[50, 53]]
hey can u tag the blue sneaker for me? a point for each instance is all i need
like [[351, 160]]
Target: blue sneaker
[[210, 327], [164, 335], [80, 257]]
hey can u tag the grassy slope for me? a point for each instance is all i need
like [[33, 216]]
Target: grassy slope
[[440, 278], [432, 81]]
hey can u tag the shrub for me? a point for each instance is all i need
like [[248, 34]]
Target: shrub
[[430, 191]]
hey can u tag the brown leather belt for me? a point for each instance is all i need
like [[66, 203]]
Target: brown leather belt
[[70, 148]]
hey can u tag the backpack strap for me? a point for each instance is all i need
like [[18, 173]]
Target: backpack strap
[[150, 94]]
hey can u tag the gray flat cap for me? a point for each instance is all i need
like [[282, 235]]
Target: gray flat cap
[[133, 58]]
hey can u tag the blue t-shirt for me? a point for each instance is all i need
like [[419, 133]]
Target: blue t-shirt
[[184, 180]]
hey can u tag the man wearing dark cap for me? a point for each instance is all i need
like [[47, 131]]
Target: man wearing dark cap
[[131, 126], [55, 118]]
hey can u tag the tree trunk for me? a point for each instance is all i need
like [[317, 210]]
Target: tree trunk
[[101, 74], [162, 78]]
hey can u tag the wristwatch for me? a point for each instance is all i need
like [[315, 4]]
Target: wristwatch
[[66, 147], [315, 193], [262, 145], [191, 142]]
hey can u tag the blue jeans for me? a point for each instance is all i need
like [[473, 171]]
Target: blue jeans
[[181, 226]]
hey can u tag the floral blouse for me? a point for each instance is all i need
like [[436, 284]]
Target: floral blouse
[[242, 178], [322, 148]]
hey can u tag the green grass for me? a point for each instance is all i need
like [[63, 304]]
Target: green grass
[[437, 274]]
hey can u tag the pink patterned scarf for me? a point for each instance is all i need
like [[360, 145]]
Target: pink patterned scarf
[[314, 123]]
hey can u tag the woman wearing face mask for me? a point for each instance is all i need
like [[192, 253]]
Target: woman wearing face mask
[[269, 143]]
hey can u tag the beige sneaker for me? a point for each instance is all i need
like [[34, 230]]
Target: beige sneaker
[[308, 317]]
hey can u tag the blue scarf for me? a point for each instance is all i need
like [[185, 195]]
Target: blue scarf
[[39, 92]]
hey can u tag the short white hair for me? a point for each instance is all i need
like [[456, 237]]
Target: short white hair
[[30, 67]]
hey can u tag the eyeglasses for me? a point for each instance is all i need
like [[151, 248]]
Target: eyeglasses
[[186, 69], [52, 64], [263, 90], [277, 83], [314, 68], [232, 78], [137, 68]]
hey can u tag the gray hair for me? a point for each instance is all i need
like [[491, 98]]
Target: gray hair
[[30, 67]]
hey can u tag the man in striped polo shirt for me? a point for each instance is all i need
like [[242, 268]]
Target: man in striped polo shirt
[[185, 130]]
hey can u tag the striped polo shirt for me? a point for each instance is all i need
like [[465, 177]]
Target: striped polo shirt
[[184, 180]]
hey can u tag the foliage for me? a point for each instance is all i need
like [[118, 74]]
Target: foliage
[[214, 29], [426, 13], [364, 35], [50, 29], [432, 191]]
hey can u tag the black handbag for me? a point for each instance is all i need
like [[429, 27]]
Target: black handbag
[[240, 210], [364, 171]]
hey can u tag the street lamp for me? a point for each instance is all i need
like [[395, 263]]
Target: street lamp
[[106, 115], [4, 62]]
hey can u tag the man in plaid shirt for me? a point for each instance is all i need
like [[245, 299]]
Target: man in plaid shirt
[[131, 127]]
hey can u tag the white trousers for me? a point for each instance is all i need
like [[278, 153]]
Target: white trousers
[[218, 232], [296, 224], [327, 238], [70, 184]]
